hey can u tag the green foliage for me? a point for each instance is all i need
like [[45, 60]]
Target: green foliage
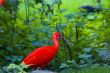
[[26, 24], [13, 68]]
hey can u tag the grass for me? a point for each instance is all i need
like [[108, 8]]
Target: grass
[[99, 69], [93, 69]]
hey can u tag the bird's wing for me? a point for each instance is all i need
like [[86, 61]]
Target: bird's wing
[[40, 56]]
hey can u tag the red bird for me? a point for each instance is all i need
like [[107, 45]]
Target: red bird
[[2, 2], [40, 57]]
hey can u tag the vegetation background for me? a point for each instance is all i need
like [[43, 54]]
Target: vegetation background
[[27, 24]]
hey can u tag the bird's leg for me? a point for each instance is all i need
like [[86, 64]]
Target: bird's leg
[[42, 66], [34, 67]]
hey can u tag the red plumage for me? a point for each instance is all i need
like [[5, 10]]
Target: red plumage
[[2, 2], [43, 55]]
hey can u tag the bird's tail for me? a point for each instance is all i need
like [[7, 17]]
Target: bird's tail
[[23, 65]]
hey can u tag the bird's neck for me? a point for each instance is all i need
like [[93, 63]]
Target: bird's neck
[[56, 44]]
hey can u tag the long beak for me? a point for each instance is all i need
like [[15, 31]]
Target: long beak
[[67, 42], [63, 38]]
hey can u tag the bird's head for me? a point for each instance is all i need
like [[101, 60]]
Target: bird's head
[[56, 35], [2, 2]]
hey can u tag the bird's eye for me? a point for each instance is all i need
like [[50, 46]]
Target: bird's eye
[[58, 37]]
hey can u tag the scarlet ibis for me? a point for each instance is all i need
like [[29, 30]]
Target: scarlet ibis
[[2, 2], [40, 57]]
